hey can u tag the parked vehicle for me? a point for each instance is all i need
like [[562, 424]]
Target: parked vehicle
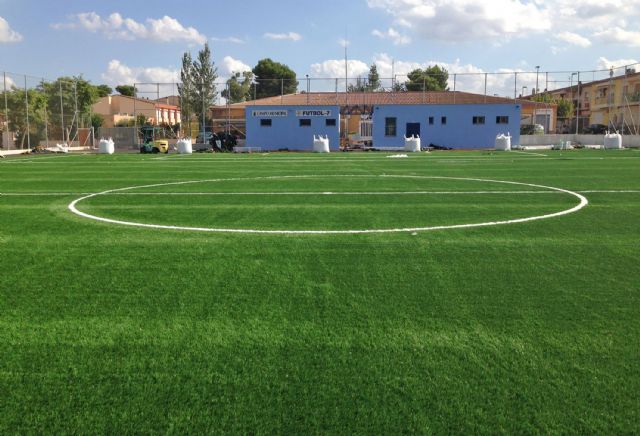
[[595, 129], [531, 129], [204, 139]]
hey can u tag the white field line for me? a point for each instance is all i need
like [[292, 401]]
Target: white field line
[[64, 194], [530, 153], [583, 202], [339, 193], [176, 161]]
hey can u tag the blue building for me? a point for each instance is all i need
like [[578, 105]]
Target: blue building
[[380, 119], [291, 127], [456, 126]]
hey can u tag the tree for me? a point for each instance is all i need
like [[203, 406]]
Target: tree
[[274, 78], [359, 86], [17, 116], [373, 79], [204, 78], [565, 108], [186, 88], [236, 90], [97, 121], [73, 93], [127, 90], [433, 78], [103, 90]]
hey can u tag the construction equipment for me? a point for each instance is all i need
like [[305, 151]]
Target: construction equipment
[[153, 140]]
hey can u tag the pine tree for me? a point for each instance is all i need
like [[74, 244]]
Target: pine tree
[[373, 79], [186, 90], [204, 78]]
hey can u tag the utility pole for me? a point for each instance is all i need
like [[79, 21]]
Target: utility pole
[[537, 71], [578, 109], [26, 99]]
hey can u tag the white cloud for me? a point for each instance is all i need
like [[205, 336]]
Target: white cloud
[[334, 68], [120, 74], [461, 20], [393, 35], [574, 39], [618, 35], [609, 21], [604, 63], [7, 34], [230, 39], [593, 14], [165, 29], [7, 82], [469, 78], [231, 65], [291, 36]]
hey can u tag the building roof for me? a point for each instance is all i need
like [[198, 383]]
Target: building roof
[[147, 101], [604, 82], [375, 98]]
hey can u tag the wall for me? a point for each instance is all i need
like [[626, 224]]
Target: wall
[[123, 137], [458, 132], [627, 140], [285, 131]]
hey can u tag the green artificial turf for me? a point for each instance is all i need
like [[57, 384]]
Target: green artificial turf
[[521, 328]]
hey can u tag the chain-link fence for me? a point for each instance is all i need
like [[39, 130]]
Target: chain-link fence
[[41, 113], [36, 112]]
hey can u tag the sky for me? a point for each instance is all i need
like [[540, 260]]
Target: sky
[[124, 42]]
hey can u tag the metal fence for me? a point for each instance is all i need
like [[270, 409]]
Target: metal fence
[[40, 112]]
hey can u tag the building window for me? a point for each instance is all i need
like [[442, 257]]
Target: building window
[[500, 119], [443, 121], [265, 122], [478, 120], [330, 122], [305, 122], [390, 126], [431, 121]]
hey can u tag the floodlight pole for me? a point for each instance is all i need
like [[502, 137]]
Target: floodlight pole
[[75, 115], [485, 87], [455, 77], [46, 121], [578, 109], [61, 112], [26, 99], [203, 120], [6, 106]]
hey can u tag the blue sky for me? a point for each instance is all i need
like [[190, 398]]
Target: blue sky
[[117, 42]]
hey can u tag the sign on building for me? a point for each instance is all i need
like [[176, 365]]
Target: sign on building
[[313, 113], [270, 114]]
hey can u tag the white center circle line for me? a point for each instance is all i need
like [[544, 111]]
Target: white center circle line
[[583, 202]]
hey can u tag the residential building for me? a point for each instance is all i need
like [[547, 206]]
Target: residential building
[[614, 102], [116, 109]]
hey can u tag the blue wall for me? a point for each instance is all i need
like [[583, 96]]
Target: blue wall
[[459, 130], [285, 130]]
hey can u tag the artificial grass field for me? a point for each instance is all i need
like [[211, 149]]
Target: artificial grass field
[[531, 327]]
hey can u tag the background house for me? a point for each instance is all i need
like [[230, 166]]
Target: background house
[[118, 109]]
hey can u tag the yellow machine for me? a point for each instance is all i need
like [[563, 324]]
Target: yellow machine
[[150, 143]]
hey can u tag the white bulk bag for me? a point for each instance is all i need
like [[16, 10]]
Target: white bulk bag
[[184, 146]]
